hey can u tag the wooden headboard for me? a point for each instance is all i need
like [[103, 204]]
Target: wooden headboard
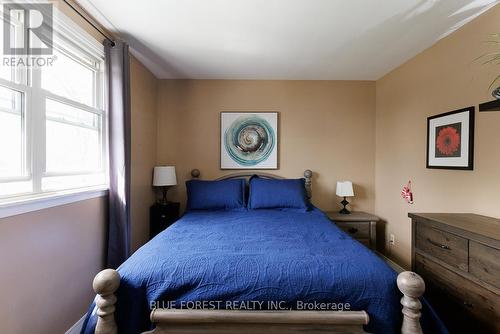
[[195, 174]]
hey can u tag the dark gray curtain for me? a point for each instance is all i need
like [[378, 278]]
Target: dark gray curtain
[[118, 74]]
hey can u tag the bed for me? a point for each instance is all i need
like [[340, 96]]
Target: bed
[[276, 271]]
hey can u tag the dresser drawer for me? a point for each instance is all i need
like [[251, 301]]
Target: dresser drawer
[[480, 303], [442, 245], [484, 263], [357, 230]]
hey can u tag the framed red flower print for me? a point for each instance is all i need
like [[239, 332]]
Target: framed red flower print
[[450, 140]]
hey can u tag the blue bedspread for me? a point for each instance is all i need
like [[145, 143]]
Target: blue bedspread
[[287, 257]]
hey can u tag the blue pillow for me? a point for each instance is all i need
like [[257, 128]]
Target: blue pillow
[[272, 194], [216, 195]]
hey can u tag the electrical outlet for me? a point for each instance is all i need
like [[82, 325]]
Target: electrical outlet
[[392, 239]]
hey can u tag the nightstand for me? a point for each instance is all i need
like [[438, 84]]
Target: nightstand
[[162, 216], [361, 226]]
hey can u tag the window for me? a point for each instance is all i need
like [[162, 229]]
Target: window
[[52, 117]]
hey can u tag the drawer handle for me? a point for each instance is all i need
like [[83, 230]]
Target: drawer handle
[[438, 244], [352, 230]]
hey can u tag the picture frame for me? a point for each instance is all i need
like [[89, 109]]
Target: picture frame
[[249, 140], [450, 140]]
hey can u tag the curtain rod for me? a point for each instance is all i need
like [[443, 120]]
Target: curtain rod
[[89, 22]]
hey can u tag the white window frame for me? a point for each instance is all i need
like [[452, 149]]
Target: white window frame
[[27, 134], [76, 43]]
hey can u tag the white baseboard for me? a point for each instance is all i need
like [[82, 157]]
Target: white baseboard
[[77, 327]]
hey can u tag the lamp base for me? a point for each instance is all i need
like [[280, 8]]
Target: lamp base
[[344, 210], [163, 200]]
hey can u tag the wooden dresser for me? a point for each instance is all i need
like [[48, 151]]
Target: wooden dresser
[[458, 255]]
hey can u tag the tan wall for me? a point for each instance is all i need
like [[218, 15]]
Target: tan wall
[[143, 106], [327, 126], [440, 79], [48, 259]]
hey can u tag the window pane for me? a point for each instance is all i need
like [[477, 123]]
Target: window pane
[[11, 133], [15, 188], [72, 181], [72, 139], [69, 78]]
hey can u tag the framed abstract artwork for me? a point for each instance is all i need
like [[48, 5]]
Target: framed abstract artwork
[[450, 140], [249, 140]]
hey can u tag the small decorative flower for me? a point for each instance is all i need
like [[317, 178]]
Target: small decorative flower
[[448, 140]]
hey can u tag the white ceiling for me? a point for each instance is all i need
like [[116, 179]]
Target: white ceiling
[[281, 39]]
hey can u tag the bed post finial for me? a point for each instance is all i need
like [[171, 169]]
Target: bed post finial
[[195, 173], [105, 285], [308, 176], [412, 286]]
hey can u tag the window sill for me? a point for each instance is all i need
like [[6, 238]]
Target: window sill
[[23, 205]]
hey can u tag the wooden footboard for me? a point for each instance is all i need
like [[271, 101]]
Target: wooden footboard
[[225, 321], [251, 322]]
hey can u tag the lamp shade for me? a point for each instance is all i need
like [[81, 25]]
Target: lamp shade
[[164, 176], [344, 189]]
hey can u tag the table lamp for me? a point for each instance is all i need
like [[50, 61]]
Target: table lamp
[[344, 189], [164, 177]]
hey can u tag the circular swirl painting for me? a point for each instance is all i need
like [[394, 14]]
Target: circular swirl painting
[[248, 140]]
